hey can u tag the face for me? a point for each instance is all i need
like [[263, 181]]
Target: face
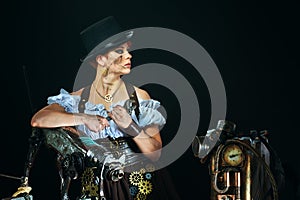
[[119, 59]]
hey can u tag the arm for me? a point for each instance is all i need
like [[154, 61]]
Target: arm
[[147, 139], [149, 142], [54, 115]]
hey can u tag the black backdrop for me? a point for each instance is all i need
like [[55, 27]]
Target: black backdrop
[[254, 45]]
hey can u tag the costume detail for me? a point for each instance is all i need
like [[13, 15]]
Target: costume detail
[[148, 114], [141, 184], [116, 165]]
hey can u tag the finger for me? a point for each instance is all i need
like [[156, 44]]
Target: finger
[[117, 106], [120, 111], [117, 109], [102, 120], [98, 118], [115, 115], [105, 122], [109, 116]]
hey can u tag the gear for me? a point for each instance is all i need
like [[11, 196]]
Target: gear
[[133, 190], [135, 178], [150, 167], [87, 177], [145, 187], [90, 190], [93, 190], [140, 196], [143, 170], [148, 176]]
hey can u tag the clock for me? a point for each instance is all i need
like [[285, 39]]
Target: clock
[[233, 155]]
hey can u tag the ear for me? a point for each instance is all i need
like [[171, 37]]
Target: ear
[[101, 60]]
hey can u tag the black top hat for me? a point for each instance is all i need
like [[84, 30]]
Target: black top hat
[[103, 36]]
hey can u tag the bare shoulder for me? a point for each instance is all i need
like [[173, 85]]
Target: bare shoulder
[[142, 94], [78, 92]]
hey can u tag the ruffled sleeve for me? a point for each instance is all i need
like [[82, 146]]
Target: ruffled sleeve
[[97, 109], [149, 114], [66, 100]]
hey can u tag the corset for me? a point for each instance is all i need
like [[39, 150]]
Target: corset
[[122, 149]]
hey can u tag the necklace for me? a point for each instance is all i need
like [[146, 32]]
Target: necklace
[[108, 97]]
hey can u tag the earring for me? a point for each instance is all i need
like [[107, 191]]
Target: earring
[[105, 72]]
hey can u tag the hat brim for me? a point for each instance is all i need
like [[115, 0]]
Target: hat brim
[[109, 44]]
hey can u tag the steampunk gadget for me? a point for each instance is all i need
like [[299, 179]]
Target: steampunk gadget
[[239, 163], [92, 165]]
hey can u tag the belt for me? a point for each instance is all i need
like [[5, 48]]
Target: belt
[[122, 146]]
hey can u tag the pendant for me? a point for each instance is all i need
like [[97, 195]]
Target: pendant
[[108, 98]]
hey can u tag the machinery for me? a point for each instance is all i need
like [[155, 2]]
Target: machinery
[[239, 163], [74, 161]]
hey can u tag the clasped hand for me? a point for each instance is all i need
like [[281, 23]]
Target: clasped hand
[[119, 114]]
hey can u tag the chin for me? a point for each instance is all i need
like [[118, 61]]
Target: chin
[[126, 71]]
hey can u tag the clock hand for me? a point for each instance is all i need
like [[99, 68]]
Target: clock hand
[[234, 155]]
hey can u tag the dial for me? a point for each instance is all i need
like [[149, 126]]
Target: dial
[[233, 155]]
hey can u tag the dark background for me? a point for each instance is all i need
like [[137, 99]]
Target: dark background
[[254, 45]]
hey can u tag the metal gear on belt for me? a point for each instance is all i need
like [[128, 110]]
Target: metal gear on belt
[[135, 178], [145, 187]]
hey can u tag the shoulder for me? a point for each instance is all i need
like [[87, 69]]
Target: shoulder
[[142, 94], [77, 93]]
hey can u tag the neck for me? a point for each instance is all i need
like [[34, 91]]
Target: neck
[[108, 93], [106, 84], [105, 79]]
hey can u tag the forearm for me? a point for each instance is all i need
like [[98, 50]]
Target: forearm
[[149, 142], [150, 146], [146, 143], [52, 119]]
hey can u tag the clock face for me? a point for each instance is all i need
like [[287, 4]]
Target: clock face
[[233, 155]]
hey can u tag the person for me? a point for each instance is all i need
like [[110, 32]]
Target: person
[[116, 121]]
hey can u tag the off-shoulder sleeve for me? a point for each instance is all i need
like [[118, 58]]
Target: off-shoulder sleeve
[[95, 109], [66, 100], [149, 114]]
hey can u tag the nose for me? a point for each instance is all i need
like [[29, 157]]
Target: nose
[[127, 55]]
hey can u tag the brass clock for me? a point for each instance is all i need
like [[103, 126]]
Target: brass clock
[[233, 155]]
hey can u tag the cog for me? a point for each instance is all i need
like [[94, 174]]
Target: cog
[[143, 170], [135, 178], [133, 190], [148, 176], [93, 189], [87, 176], [150, 167], [140, 196], [86, 188], [145, 187]]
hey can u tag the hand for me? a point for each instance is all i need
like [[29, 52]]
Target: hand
[[95, 123], [120, 116]]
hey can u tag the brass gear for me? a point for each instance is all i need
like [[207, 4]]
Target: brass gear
[[86, 188], [87, 176], [150, 167], [135, 178], [91, 190], [94, 190], [145, 187], [140, 196], [87, 179], [143, 170]]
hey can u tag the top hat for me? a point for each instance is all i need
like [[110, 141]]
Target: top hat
[[103, 36]]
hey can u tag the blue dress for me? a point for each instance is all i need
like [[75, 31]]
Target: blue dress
[[142, 181]]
